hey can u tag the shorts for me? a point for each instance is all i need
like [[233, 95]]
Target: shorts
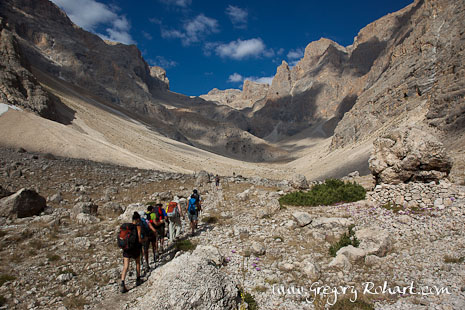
[[192, 217], [133, 252], [160, 231]]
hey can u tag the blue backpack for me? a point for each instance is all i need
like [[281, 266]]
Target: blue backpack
[[192, 209], [145, 231]]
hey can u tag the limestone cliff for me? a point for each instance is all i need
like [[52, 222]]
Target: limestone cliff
[[237, 99]]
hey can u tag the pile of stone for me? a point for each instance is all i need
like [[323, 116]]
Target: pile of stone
[[423, 195]]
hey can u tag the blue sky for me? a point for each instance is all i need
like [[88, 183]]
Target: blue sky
[[206, 44]]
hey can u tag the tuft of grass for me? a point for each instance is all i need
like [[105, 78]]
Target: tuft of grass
[[53, 257], [184, 245], [249, 299], [75, 302], [346, 239], [66, 271], [6, 278], [398, 208], [210, 219], [454, 260], [346, 304], [331, 192], [260, 289]]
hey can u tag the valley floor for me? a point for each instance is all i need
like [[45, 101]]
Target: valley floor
[[62, 264]]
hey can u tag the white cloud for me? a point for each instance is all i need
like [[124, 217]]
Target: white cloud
[[242, 49], [235, 77], [261, 80], [193, 30], [238, 78], [180, 3], [295, 54], [163, 62], [89, 14], [147, 35], [238, 16]]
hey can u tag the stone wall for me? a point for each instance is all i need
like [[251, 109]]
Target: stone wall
[[423, 195]]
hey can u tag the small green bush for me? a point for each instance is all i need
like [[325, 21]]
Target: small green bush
[[249, 299], [328, 193], [346, 304], [210, 220], [345, 240], [454, 260], [184, 245], [6, 278], [53, 257]]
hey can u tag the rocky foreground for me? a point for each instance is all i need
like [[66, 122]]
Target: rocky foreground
[[67, 258]]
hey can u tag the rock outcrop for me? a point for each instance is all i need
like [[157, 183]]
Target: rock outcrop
[[190, 281], [237, 99], [24, 203], [409, 154], [18, 86], [419, 71]]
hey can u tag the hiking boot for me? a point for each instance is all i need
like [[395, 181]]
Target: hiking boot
[[138, 281], [123, 288]]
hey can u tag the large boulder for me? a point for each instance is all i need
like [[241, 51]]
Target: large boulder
[[374, 241], [126, 217], [409, 154], [111, 209], [198, 284], [23, 203], [299, 181], [302, 218], [85, 207], [202, 178], [331, 222]]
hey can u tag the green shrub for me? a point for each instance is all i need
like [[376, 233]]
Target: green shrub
[[346, 304], [210, 219], [345, 240], [53, 257], [249, 299], [6, 278], [328, 193], [184, 245], [454, 260]]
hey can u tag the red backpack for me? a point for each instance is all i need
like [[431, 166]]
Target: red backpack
[[127, 236]]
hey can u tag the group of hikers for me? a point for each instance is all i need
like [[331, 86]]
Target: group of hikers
[[149, 228]]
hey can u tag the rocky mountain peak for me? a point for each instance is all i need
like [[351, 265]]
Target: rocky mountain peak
[[254, 91], [160, 74], [281, 84], [318, 48]]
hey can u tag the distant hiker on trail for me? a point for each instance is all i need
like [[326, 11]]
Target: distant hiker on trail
[[149, 234], [130, 240], [174, 212], [217, 180], [193, 209]]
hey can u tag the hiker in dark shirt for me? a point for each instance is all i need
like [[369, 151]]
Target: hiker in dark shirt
[[132, 253]]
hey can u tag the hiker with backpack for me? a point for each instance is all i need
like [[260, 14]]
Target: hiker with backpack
[[149, 235], [174, 213], [153, 216], [193, 209], [130, 241], [157, 218]]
